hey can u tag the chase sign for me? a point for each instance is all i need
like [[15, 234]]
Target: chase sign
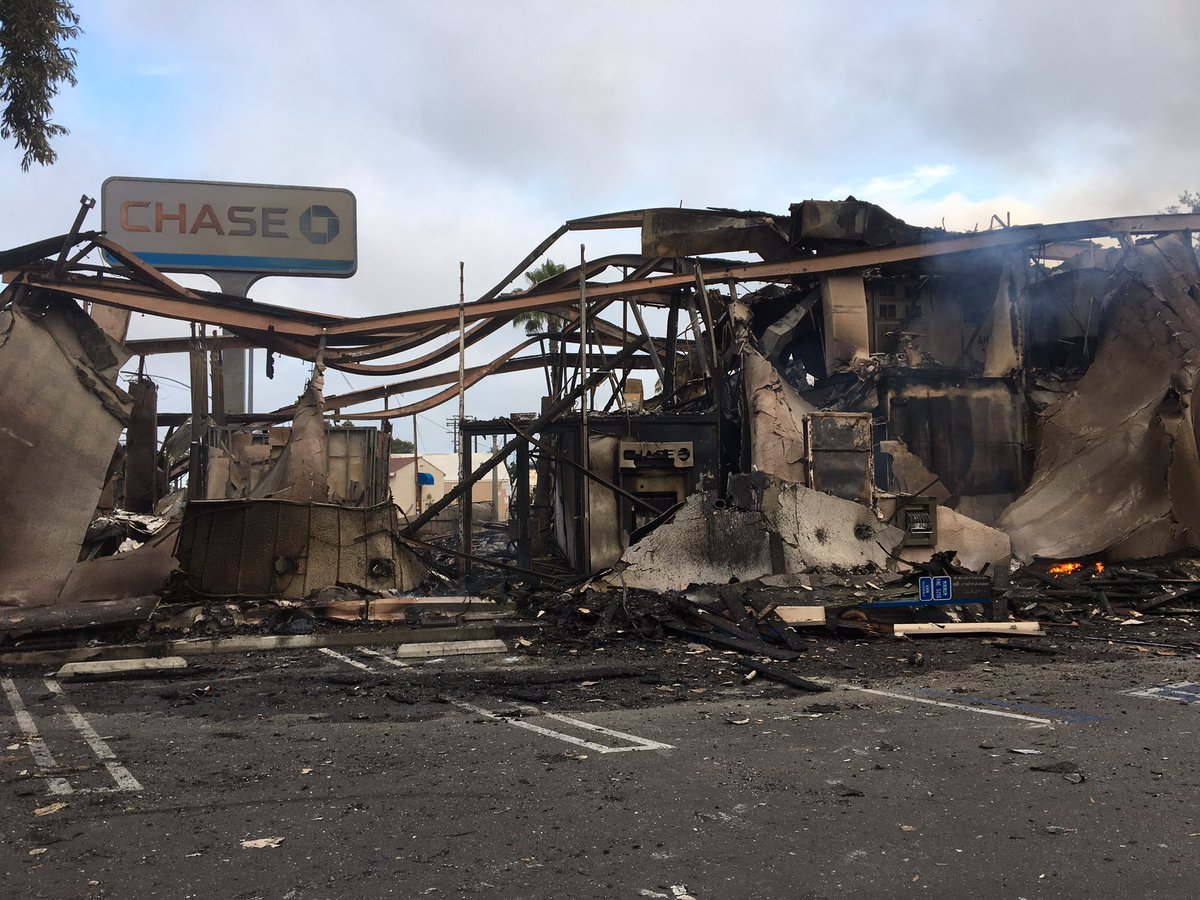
[[216, 226]]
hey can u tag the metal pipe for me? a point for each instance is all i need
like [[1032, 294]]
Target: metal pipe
[[416, 470], [464, 506], [585, 451]]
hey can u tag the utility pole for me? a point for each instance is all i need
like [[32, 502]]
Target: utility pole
[[585, 531], [495, 485], [464, 452], [416, 468]]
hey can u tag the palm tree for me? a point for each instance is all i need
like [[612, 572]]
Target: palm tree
[[536, 320], [539, 320]]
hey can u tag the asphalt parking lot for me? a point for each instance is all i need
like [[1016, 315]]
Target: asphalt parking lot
[[375, 778]]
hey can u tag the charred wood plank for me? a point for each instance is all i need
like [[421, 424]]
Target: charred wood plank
[[784, 677], [723, 624], [773, 624], [755, 648]]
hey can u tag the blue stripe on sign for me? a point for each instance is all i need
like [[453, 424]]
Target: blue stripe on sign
[[249, 263]]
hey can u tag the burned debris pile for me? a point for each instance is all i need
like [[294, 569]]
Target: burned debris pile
[[1127, 594], [758, 428]]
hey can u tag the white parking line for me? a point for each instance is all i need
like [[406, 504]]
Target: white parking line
[[959, 706], [646, 743], [390, 660], [637, 742], [37, 745], [347, 660], [120, 775]]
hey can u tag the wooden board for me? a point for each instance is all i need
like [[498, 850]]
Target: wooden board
[[934, 628], [802, 615]]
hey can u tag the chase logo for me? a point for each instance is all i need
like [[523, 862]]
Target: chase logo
[[319, 224]]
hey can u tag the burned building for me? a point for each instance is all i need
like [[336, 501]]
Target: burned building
[[748, 394]]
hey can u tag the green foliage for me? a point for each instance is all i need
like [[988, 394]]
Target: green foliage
[[33, 62], [539, 320], [1189, 202], [401, 447], [547, 269]]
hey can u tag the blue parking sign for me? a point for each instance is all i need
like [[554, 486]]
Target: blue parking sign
[[941, 587], [925, 586]]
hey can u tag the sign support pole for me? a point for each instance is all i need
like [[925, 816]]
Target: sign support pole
[[237, 365]]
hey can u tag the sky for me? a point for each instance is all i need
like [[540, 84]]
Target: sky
[[471, 129]]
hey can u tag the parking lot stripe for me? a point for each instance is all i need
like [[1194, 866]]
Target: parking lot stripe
[[390, 660], [959, 706], [347, 660], [579, 723], [37, 746], [120, 775], [640, 743]]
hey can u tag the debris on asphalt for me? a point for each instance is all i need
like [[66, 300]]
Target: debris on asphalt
[[262, 843]]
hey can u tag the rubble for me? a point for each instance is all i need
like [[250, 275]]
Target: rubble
[[865, 409]]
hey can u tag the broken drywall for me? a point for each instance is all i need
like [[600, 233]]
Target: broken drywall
[[138, 572], [975, 544], [1117, 462], [61, 413], [772, 527], [704, 543], [1004, 345], [775, 410], [847, 329], [776, 420], [909, 474], [820, 530]]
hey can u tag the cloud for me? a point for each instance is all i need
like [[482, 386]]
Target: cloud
[[470, 130]]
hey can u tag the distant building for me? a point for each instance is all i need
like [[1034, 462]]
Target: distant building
[[481, 491], [430, 477]]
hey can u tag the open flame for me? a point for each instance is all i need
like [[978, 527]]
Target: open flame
[[1068, 567]]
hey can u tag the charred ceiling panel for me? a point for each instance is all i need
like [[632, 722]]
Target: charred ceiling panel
[[830, 224], [847, 333], [670, 233]]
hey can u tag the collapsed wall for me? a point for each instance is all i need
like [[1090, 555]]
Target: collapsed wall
[[769, 527], [1117, 467], [61, 413]]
